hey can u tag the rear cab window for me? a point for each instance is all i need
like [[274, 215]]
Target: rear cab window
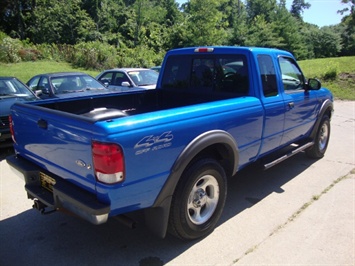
[[206, 73]]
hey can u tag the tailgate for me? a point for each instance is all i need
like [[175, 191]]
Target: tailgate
[[56, 141]]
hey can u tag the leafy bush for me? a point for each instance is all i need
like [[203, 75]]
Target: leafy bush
[[29, 54], [14, 51], [140, 56], [50, 51], [9, 50], [95, 55], [331, 72]]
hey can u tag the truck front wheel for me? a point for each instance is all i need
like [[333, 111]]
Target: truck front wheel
[[321, 140], [198, 200]]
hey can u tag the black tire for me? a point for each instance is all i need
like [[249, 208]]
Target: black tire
[[321, 140], [198, 201]]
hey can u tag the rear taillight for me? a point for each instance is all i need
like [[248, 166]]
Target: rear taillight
[[11, 128], [108, 162]]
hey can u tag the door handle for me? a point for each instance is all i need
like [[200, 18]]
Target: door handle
[[291, 105]]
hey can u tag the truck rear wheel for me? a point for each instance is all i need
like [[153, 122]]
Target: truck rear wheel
[[198, 200], [321, 140]]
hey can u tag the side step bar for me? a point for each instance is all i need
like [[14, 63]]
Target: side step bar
[[288, 155]]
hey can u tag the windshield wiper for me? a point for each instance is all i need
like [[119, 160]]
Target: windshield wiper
[[147, 84], [71, 91], [93, 89], [291, 80]]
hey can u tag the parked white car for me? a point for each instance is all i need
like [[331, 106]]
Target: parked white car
[[129, 77]]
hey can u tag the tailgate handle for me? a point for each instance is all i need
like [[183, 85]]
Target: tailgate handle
[[42, 123]]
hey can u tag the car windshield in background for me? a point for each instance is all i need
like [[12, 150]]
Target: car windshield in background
[[68, 84], [13, 88], [144, 77]]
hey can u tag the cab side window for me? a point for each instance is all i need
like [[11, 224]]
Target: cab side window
[[107, 78], [34, 83], [44, 85], [267, 75], [44, 82], [292, 77], [120, 77]]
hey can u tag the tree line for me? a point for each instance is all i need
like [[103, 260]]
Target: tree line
[[110, 33]]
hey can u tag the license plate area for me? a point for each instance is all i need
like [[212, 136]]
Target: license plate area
[[47, 182]]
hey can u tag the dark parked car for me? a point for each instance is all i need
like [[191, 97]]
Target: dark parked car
[[11, 90], [65, 84], [129, 78]]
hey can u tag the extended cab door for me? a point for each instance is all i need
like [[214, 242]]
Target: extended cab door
[[300, 104], [273, 104]]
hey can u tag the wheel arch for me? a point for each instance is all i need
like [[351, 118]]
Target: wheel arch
[[217, 144], [326, 109]]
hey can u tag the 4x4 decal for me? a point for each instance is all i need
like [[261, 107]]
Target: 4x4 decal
[[154, 143]]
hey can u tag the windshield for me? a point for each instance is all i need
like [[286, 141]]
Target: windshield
[[79, 83], [144, 77], [13, 87]]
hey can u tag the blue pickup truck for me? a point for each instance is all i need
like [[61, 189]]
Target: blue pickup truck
[[169, 151]]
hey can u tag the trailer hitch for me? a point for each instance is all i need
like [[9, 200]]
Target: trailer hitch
[[40, 206]]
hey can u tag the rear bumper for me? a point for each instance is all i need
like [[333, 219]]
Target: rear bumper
[[65, 195]]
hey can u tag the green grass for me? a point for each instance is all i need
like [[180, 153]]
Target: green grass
[[336, 74], [340, 72], [25, 70]]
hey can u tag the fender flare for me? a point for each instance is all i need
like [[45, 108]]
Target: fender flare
[[157, 216], [327, 107]]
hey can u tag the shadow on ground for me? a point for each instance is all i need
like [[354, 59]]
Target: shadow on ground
[[4, 152], [59, 239]]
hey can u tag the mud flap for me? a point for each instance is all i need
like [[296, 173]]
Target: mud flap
[[157, 218]]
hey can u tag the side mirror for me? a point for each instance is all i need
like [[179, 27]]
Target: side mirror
[[125, 84], [43, 89], [38, 93], [313, 84]]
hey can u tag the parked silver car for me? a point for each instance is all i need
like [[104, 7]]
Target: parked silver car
[[129, 77]]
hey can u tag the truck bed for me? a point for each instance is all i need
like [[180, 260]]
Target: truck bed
[[120, 105]]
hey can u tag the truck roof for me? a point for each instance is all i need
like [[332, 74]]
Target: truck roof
[[227, 49]]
